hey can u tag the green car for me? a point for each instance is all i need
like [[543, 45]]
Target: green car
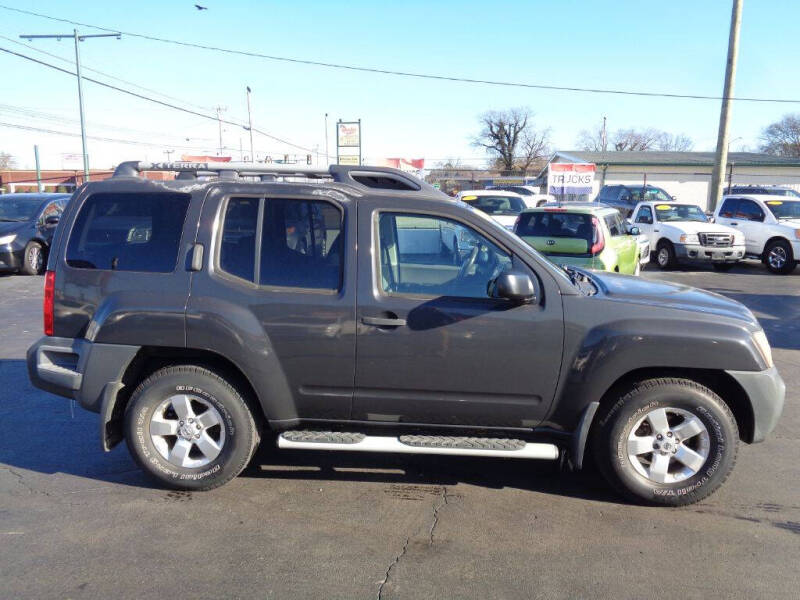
[[583, 235]]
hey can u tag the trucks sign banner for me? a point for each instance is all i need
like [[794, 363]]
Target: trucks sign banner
[[570, 178]]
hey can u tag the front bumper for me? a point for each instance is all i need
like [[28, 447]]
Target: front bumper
[[698, 253], [766, 392], [11, 258], [78, 368]]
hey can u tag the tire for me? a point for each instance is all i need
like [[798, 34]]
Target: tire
[[158, 407], [724, 267], [665, 255], [779, 258], [33, 259], [624, 433]]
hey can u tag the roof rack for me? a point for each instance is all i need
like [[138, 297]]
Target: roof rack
[[363, 176]]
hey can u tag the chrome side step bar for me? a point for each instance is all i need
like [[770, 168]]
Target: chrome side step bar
[[417, 444]]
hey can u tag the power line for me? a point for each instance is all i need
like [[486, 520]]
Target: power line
[[375, 70], [113, 77], [154, 100]]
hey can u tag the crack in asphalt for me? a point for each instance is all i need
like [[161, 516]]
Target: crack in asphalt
[[443, 501], [21, 481], [391, 566], [436, 508]]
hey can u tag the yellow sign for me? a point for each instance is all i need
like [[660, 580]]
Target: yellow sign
[[774, 202], [465, 198], [663, 207], [348, 159]]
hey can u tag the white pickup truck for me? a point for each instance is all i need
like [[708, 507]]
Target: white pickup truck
[[770, 224], [682, 232]]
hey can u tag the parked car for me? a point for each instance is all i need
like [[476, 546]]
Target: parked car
[[192, 345], [27, 223], [583, 235], [683, 232], [530, 194], [761, 190], [625, 197], [771, 227], [504, 207]]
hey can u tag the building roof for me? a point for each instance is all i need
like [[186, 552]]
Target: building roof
[[686, 159]]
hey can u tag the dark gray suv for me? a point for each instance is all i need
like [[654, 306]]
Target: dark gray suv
[[188, 315]]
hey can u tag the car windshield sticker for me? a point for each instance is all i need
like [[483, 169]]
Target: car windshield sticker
[[663, 207], [774, 202], [465, 198]]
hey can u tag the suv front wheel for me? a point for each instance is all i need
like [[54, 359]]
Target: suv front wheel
[[189, 428], [666, 441]]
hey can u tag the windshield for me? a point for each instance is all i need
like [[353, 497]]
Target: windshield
[[650, 194], [768, 191], [556, 225], [496, 205], [18, 209], [680, 212], [784, 209]]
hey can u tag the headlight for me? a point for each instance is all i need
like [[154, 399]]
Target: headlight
[[7, 239], [760, 340], [690, 238]]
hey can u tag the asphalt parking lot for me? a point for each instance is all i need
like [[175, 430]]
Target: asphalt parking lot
[[78, 523]]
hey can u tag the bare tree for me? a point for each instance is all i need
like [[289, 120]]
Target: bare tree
[[782, 138], [6, 160], [511, 137], [676, 143], [634, 140]]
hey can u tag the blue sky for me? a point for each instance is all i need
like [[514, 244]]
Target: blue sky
[[674, 46]]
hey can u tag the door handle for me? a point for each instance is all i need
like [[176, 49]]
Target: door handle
[[734, 223], [383, 321]]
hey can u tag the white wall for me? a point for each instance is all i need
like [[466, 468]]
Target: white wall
[[692, 184]]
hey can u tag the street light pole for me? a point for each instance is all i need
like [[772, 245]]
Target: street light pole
[[219, 109], [78, 38], [250, 126], [327, 155]]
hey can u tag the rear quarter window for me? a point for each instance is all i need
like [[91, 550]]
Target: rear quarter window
[[128, 232]]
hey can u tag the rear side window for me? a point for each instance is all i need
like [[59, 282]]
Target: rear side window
[[128, 232], [300, 244], [728, 209]]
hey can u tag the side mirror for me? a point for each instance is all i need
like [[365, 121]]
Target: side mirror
[[51, 220], [514, 286], [633, 231]]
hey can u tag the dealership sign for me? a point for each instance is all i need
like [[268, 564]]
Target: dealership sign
[[348, 142], [570, 178]]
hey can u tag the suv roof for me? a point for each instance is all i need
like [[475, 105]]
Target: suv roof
[[353, 180]]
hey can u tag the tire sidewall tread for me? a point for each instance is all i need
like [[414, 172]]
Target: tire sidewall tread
[[241, 433], [614, 424]]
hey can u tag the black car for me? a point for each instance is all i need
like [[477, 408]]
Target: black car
[[625, 197], [27, 223], [186, 314], [770, 190]]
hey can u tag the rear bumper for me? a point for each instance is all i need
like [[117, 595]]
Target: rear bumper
[[766, 392], [698, 253], [78, 368]]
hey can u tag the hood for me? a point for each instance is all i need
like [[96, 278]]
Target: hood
[[696, 227], [661, 294], [7, 227]]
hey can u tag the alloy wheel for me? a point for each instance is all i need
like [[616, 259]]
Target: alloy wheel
[[187, 431], [777, 257], [668, 445]]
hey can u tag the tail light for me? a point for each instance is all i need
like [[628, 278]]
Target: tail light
[[49, 291], [599, 239]]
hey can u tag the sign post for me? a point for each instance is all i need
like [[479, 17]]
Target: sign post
[[348, 137]]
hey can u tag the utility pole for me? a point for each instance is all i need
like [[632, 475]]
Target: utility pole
[[730, 79], [168, 153], [250, 126], [77, 38], [327, 154], [604, 136], [39, 185], [219, 109]]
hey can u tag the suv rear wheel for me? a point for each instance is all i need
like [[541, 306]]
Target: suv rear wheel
[[666, 441], [189, 428]]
